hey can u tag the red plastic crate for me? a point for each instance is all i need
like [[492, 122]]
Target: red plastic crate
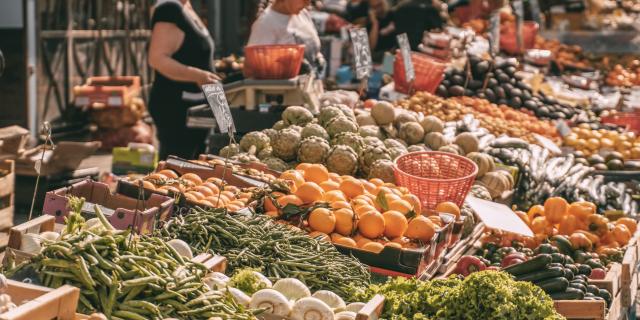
[[508, 39], [273, 61], [110, 91], [630, 120], [429, 73], [436, 176]]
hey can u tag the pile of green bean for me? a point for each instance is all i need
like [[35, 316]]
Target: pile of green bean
[[276, 249], [131, 278]]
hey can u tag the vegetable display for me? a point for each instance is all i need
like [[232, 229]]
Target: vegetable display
[[277, 249], [605, 149]]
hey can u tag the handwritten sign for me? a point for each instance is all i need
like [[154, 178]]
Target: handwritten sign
[[498, 216], [494, 33], [214, 92], [563, 128], [405, 52], [518, 9], [548, 144], [361, 52]]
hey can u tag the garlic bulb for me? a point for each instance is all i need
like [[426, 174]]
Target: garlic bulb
[[311, 309], [331, 299], [30, 243], [181, 247], [272, 301], [239, 296], [292, 288], [354, 307], [346, 315], [50, 235]]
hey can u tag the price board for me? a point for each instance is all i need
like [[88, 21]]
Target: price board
[[361, 52], [214, 92], [405, 52], [494, 33]]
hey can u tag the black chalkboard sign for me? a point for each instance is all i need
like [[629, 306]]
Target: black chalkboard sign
[[214, 92], [361, 52], [494, 33], [405, 52]]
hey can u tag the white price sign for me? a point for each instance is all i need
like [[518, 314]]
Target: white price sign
[[361, 52], [405, 52], [214, 92]]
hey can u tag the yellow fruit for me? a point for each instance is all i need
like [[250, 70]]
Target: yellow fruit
[[401, 206], [320, 236], [316, 173], [362, 241], [393, 245], [420, 228], [352, 187], [345, 242], [322, 220], [293, 176], [374, 247], [309, 192], [333, 196], [329, 185], [448, 207]]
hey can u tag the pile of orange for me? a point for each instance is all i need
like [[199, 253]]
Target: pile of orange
[[211, 192], [357, 213]]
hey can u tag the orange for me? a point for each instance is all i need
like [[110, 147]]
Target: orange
[[269, 204], [420, 228], [374, 247], [448, 207], [207, 203], [322, 220], [383, 189], [340, 204], [320, 236], [316, 173], [294, 176], [345, 222], [364, 198], [214, 180], [233, 207], [362, 241], [309, 192], [401, 206], [334, 177], [147, 185], [303, 166], [204, 190], [359, 202], [360, 210], [273, 214], [414, 201], [329, 185], [289, 199], [345, 242], [230, 195], [196, 194], [395, 224], [169, 173], [335, 236], [371, 224], [368, 186], [190, 197], [436, 219], [231, 188], [351, 187], [393, 245], [333, 196], [192, 177], [376, 182], [212, 186]]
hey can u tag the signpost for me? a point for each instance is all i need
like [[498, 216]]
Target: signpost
[[362, 55], [405, 52], [214, 92]]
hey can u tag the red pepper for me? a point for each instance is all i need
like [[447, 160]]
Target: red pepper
[[469, 264], [597, 274], [506, 261], [494, 268]]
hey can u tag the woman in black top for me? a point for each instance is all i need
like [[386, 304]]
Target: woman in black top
[[181, 51]]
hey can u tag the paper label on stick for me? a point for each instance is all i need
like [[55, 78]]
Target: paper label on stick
[[498, 216], [494, 33], [518, 9], [405, 51], [361, 52], [214, 92], [548, 144]]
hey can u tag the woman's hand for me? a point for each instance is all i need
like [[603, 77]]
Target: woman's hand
[[206, 77]]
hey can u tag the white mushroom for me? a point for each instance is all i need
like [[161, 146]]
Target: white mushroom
[[346, 315], [50, 235], [4, 284], [181, 247], [311, 309], [354, 307], [239, 296], [272, 301], [292, 288], [331, 299], [216, 280], [263, 279]]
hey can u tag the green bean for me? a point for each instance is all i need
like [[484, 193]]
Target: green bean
[[128, 315]]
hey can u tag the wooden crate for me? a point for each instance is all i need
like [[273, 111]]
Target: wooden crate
[[42, 303], [612, 280], [581, 309], [616, 311], [34, 226], [628, 275], [7, 194]]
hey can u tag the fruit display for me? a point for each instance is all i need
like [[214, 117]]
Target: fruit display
[[622, 76], [564, 56], [228, 66], [605, 149], [239, 168], [501, 84], [498, 120]]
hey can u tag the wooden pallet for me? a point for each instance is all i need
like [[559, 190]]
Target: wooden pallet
[[7, 194], [42, 303], [581, 309]]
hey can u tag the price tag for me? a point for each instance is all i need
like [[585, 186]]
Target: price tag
[[494, 33], [405, 51], [518, 9], [498, 216], [214, 92], [563, 128], [548, 144], [535, 11], [361, 52]]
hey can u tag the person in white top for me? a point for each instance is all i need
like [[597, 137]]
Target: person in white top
[[289, 22]]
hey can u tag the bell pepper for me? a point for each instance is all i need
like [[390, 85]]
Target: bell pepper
[[555, 208], [582, 209], [580, 241], [568, 225], [469, 264], [595, 240], [597, 224], [631, 224], [535, 211], [508, 259], [540, 225], [621, 234]]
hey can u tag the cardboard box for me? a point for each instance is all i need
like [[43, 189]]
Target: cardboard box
[[128, 159], [65, 157]]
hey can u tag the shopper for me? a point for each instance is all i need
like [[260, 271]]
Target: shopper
[[381, 27], [181, 53], [414, 17], [289, 22]]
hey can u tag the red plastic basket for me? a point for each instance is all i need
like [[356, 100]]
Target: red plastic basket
[[429, 73], [509, 42], [436, 176], [630, 120], [273, 61]]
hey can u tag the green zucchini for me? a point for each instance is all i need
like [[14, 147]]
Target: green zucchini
[[580, 256], [569, 294], [558, 258], [544, 248], [541, 274], [555, 264], [557, 284], [584, 269], [563, 244], [534, 264], [593, 289], [604, 294], [594, 263], [572, 267], [568, 260], [579, 286], [568, 274]]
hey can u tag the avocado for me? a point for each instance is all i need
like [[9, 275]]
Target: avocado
[[578, 154], [613, 155], [595, 159], [500, 94], [511, 70], [481, 95], [492, 82], [515, 102], [600, 166], [446, 83], [515, 92], [615, 164], [456, 91], [524, 86], [442, 91], [474, 84], [491, 96], [559, 115], [457, 80], [503, 78], [480, 69], [529, 104]]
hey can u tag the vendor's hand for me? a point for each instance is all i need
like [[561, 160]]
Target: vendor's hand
[[206, 77]]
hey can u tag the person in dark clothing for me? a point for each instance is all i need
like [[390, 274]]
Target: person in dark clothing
[[181, 53], [357, 12], [414, 17], [380, 26]]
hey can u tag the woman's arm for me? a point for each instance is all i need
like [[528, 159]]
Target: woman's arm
[[375, 30], [166, 39]]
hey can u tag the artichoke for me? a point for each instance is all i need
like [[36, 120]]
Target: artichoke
[[418, 147], [353, 140], [411, 132], [295, 127], [404, 117], [347, 111], [370, 154], [279, 125], [275, 164], [341, 124], [313, 150], [245, 158], [396, 152], [230, 150], [265, 153], [253, 142], [395, 143], [373, 141], [342, 160], [297, 115], [383, 112], [327, 114], [314, 130], [285, 145], [371, 131], [271, 133], [383, 170]]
